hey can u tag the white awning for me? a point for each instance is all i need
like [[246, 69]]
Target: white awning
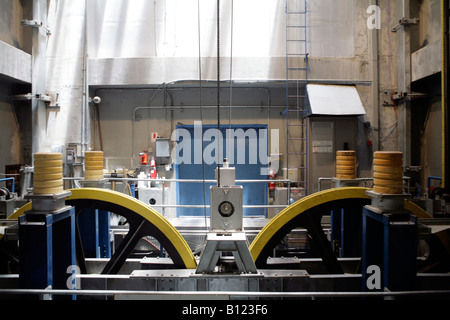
[[332, 100]]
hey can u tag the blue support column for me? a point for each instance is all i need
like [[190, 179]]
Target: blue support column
[[104, 240], [336, 230], [389, 241], [89, 228], [346, 231], [46, 248], [351, 230], [94, 227], [35, 251]]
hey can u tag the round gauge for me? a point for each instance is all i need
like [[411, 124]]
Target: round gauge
[[226, 209]]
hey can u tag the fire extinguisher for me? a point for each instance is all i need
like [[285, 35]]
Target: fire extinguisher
[[153, 168], [272, 176]]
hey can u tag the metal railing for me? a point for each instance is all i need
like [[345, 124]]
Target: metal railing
[[47, 293], [238, 182]]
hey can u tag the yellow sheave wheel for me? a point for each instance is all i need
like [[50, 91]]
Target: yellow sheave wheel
[[48, 184], [381, 175], [387, 169], [345, 158], [93, 162], [48, 156], [387, 183], [94, 168], [388, 155], [350, 153], [345, 167], [345, 171], [48, 163], [345, 162], [388, 162], [91, 172], [47, 176], [48, 170], [48, 190], [388, 190]]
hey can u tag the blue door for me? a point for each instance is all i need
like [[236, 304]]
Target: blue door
[[249, 156]]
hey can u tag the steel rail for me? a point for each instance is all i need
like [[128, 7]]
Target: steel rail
[[324, 294]]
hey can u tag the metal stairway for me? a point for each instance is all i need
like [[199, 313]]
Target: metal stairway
[[296, 111]]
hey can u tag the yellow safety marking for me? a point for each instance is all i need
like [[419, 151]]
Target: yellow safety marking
[[136, 206]]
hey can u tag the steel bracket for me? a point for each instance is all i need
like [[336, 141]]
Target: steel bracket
[[235, 242], [406, 22], [35, 24]]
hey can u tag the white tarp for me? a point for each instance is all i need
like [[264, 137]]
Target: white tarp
[[334, 100]]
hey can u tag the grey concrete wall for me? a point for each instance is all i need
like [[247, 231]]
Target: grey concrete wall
[[122, 137], [347, 60], [11, 30], [15, 72], [342, 48], [426, 66], [13, 124]]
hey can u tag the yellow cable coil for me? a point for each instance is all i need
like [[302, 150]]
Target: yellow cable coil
[[93, 165], [346, 164], [388, 172], [48, 173]]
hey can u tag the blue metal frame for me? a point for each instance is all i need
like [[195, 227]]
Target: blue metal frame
[[389, 241], [346, 228], [13, 183], [94, 228], [47, 249]]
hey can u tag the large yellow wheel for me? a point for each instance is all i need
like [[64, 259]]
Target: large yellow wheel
[[307, 213], [143, 221]]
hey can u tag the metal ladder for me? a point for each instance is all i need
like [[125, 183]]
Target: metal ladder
[[296, 111]]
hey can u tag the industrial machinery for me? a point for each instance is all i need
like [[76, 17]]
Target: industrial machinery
[[226, 230], [356, 242], [181, 272]]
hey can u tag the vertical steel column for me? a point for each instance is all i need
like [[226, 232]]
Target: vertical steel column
[[404, 84], [93, 228], [104, 222], [88, 226], [445, 79], [374, 41], [38, 77]]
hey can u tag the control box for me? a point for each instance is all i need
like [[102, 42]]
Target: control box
[[226, 208]]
